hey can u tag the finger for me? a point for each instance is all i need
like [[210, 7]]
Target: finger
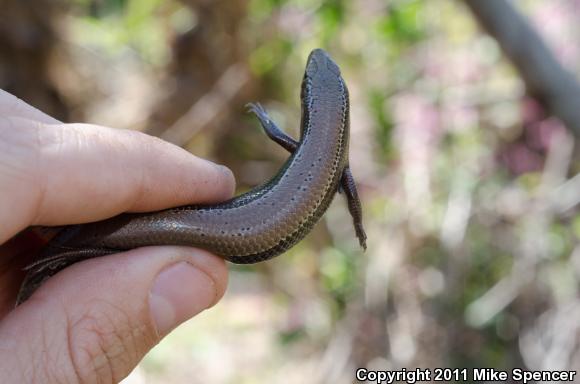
[[74, 173], [74, 330], [11, 105]]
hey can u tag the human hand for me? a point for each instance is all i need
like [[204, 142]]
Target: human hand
[[94, 321]]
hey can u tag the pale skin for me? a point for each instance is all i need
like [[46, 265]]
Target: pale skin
[[93, 322]]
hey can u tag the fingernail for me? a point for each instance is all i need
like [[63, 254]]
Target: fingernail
[[180, 292]]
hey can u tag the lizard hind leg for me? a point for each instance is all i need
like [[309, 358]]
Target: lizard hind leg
[[354, 206]]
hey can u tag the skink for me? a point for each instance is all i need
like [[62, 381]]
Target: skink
[[251, 227]]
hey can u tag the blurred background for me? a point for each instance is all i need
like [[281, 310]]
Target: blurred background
[[468, 177]]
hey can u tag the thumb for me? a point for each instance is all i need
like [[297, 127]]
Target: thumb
[[94, 321]]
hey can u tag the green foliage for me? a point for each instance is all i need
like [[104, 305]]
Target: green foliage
[[331, 15], [115, 26], [402, 23], [261, 10], [339, 274], [379, 108], [576, 226], [269, 56]]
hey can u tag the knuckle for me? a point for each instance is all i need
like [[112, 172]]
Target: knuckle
[[20, 162], [104, 343], [45, 357], [18, 142], [54, 366]]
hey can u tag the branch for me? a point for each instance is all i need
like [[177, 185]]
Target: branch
[[209, 107], [545, 78]]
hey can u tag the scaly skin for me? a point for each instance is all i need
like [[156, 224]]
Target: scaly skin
[[254, 226]]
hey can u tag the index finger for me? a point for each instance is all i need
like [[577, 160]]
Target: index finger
[[11, 105], [74, 173]]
